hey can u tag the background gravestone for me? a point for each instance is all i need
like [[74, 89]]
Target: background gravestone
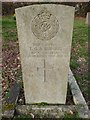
[[45, 35], [88, 18]]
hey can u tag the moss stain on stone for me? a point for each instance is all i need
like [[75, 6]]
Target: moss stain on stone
[[7, 107]]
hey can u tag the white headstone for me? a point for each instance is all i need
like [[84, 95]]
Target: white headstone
[[88, 19], [45, 35]]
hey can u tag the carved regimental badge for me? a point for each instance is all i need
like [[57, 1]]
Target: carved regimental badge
[[45, 25]]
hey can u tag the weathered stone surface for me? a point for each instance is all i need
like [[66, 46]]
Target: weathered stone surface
[[47, 111], [8, 108], [88, 19], [79, 110], [45, 35], [33, 1], [78, 98]]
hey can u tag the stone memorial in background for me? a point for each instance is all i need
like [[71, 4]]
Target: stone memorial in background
[[45, 37], [88, 19]]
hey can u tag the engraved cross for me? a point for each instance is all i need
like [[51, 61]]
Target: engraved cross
[[46, 69]]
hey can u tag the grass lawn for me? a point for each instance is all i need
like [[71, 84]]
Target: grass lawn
[[79, 53]]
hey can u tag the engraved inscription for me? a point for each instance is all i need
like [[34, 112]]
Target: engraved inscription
[[46, 49], [45, 25]]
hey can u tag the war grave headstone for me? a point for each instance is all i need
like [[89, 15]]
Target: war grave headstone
[[88, 19], [45, 37]]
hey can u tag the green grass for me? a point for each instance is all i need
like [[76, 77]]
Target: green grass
[[79, 55], [9, 31], [79, 42]]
